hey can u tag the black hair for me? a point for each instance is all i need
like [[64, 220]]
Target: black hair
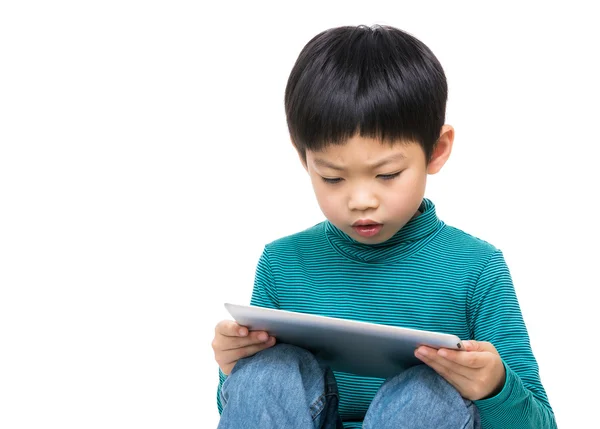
[[378, 81]]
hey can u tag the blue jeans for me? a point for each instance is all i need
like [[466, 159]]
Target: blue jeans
[[286, 387]]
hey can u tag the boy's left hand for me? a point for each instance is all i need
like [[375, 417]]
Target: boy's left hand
[[477, 372]]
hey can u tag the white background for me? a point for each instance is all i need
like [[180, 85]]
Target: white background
[[145, 161]]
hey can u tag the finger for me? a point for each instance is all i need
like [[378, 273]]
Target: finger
[[456, 379], [479, 346], [472, 360], [234, 355], [230, 328], [254, 337], [471, 345], [434, 359], [425, 350]]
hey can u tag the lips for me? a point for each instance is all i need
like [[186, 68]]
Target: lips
[[365, 222], [366, 227]]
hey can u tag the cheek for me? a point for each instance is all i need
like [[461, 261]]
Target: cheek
[[329, 202], [406, 193], [414, 182]]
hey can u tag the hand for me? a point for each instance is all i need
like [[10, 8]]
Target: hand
[[233, 342], [477, 372]]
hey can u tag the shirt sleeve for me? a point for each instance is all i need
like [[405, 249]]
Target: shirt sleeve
[[495, 316], [264, 294]]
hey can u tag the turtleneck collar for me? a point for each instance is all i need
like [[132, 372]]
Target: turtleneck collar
[[410, 239]]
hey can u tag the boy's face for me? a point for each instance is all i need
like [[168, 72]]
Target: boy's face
[[370, 190]]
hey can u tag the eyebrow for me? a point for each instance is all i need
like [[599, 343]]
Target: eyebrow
[[324, 163]]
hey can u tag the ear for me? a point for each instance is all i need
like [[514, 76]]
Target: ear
[[441, 150]]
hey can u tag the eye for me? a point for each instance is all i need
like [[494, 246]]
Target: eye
[[389, 176], [331, 181]]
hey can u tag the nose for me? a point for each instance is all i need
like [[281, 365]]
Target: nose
[[362, 198]]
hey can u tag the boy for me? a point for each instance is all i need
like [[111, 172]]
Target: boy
[[365, 110]]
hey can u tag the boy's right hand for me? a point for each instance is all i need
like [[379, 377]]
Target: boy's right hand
[[233, 342]]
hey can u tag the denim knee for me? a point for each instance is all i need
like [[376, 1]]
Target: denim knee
[[278, 368], [283, 383], [281, 357], [420, 398]]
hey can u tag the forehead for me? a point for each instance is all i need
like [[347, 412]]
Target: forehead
[[366, 150]]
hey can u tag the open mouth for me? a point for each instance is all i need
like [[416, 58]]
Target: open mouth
[[367, 230]]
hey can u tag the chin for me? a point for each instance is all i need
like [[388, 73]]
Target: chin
[[370, 240]]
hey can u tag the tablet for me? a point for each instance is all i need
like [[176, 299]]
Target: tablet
[[359, 348]]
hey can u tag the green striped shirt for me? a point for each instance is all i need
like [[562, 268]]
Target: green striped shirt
[[428, 276]]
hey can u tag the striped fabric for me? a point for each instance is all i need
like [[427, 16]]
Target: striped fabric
[[428, 276]]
